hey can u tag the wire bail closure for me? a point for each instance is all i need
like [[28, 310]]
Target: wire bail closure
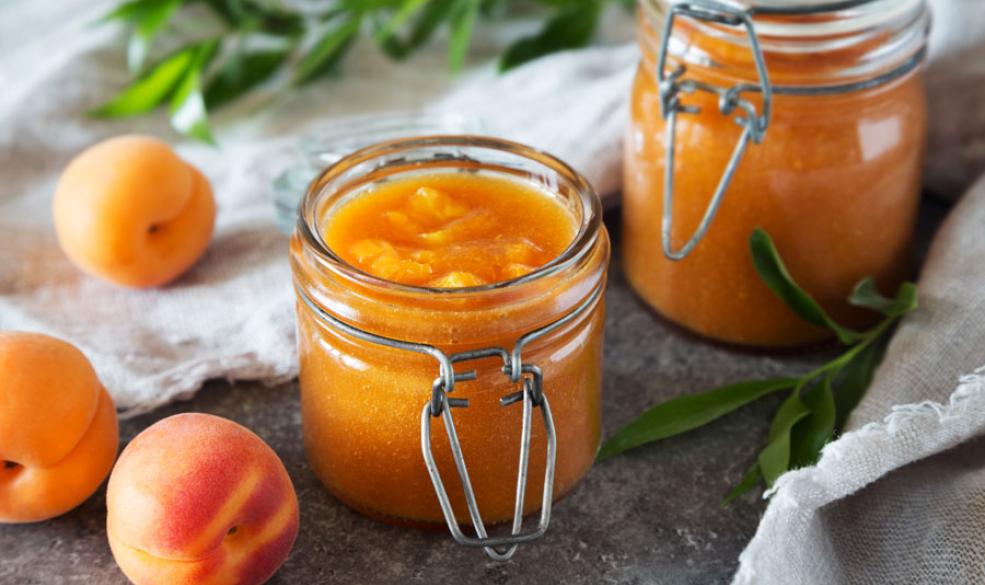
[[440, 404], [531, 396], [671, 87]]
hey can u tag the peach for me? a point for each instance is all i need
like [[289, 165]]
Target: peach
[[196, 498], [58, 430], [128, 210]]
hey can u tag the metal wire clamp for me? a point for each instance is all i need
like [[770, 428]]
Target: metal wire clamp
[[753, 123], [672, 85], [531, 395]]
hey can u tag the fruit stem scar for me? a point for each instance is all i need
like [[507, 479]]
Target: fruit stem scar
[[9, 464], [154, 228], [232, 531]]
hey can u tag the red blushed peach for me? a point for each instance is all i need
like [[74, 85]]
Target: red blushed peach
[[128, 210], [58, 432], [198, 499]]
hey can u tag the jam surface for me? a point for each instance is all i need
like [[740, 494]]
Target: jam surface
[[449, 230]]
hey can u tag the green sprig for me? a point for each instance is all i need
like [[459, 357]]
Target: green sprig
[[308, 45], [818, 403]]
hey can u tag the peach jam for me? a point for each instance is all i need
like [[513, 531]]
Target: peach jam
[[415, 251], [831, 171]]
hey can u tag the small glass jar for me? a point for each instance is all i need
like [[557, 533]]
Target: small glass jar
[[374, 353], [805, 118]]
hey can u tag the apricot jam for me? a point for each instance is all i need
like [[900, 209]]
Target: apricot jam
[[835, 180], [459, 244], [450, 230]]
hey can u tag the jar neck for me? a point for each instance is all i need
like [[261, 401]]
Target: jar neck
[[443, 317], [833, 48]]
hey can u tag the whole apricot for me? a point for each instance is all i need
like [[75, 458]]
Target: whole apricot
[[196, 498], [58, 429], [128, 210]]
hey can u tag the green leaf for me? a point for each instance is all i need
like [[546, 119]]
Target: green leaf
[[774, 460], [327, 51], [263, 16], [188, 112], [462, 23], [867, 295], [906, 300], [146, 26], [853, 380], [572, 27], [688, 412], [395, 48], [812, 433], [426, 22], [149, 91], [232, 11], [774, 274], [129, 11], [241, 73], [404, 12], [750, 480], [495, 8]]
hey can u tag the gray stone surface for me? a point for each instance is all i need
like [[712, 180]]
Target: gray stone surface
[[652, 516]]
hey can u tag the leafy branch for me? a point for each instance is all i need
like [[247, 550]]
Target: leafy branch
[[257, 39], [817, 403]]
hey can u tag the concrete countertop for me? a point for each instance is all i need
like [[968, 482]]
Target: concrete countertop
[[652, 516]]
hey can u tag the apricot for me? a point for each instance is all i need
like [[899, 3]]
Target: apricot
[[58, 429], [129, 211], [434, 206], [196, 498], [457, 279]]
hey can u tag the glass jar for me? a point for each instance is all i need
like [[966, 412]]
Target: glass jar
[[819, 109], [383, 363]]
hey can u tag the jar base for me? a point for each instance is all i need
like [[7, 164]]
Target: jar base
[[427, 525], [819, 346]]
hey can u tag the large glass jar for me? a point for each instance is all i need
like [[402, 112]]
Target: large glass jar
[[373, 351], [833, 130]]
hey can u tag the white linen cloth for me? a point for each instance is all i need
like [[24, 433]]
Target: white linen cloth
[[888, 503]]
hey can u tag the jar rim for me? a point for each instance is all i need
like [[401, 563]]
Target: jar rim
[[310, 231], [869, 39], [790, 19]]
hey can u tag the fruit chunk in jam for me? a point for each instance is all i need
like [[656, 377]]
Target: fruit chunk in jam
[[449, 230]]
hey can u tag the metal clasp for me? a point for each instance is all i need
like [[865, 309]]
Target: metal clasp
[[671, 87], [531, 395]]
